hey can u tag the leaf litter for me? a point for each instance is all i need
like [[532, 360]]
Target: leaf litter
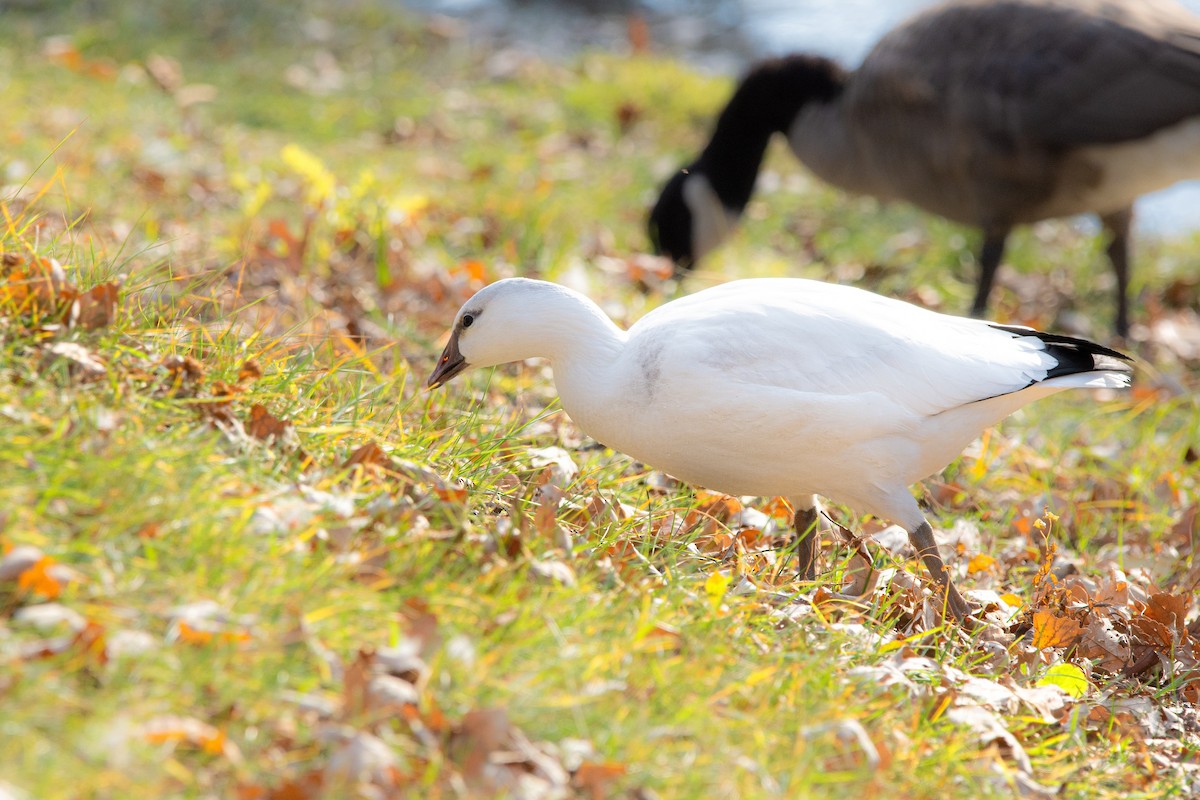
[[1093, 655]]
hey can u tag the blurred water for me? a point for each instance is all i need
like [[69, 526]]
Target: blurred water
[[725, 35]]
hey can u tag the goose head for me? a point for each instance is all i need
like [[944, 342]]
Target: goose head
[[689, 220], [519, 318], [700, 204]]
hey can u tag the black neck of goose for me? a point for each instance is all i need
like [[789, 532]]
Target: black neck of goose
[[765, 102]]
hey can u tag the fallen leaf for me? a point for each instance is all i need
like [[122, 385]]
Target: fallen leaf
[[1051, 630], [596, 778], [249, 371], [1068, 677], [189, 731], [715, 587], [81, 363], [38, 579], [264, 425], [97, 307], [980, 563]]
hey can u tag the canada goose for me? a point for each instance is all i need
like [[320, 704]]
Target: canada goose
[[993, 113], [780, 386]]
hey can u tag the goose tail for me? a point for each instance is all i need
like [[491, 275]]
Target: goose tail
[[1078, 362]]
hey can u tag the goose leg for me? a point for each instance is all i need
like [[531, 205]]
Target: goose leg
[[806, 542], [1117, 224], [989, 261], [922, 539]]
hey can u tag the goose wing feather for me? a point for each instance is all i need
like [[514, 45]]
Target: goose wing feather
[[1052, 72], [833, 341]]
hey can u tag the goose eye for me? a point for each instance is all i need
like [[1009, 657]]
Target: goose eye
[[467, 320]]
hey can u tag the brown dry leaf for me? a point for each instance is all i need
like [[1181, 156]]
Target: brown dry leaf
[[264, 425], [595, 778], [1169, 610], [184, 374], [355, 683], [370, 455], [1153, 633], [309, 786], [249, 371], [545, 518], [422, 625], [97, 307], [1101, 641], [500, 759], [1051, 630]]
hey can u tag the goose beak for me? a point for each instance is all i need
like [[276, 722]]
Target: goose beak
[[450, 364]]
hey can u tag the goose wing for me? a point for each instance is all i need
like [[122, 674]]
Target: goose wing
[[1045, 71], [836, 341]]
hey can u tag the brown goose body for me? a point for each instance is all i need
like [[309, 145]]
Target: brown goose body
[[993, 113]]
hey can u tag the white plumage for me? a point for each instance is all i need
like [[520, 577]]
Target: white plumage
[[781, 386]]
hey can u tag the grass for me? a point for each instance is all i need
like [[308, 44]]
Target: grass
[[212, 580]]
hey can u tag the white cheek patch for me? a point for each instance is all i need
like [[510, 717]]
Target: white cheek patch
[[712, 222]]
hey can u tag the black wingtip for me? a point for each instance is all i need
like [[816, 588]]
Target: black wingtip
[[1073, 354]]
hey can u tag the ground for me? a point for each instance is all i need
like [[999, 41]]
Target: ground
[[245, 554]]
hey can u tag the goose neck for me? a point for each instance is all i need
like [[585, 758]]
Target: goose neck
[[766, 102]]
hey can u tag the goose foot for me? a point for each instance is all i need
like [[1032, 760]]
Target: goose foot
[[922, 540]]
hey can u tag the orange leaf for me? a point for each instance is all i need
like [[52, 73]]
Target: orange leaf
[[190, 635], [1050, 630], [474, 270], [37, 579], [185, 730], [369, 455], [980, 563], [779, 508]]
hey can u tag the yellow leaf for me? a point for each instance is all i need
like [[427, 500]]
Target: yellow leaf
[[980, 563], [1067, 677], [1011, 599], [715, 587]]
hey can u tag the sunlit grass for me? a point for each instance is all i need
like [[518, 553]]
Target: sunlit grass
[[327, 238]]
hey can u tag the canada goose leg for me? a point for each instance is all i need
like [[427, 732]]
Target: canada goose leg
[[806, 542], [989, 262], [922, 539], [1118, 224]]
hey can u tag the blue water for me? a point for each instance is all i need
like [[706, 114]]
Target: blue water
[[725, 35]]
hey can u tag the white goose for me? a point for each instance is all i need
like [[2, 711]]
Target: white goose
[[782, 387]]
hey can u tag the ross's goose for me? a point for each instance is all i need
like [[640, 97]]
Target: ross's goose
[[993, 113], [782, 386]]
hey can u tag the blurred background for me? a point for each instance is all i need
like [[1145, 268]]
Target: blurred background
[[725, 36]]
